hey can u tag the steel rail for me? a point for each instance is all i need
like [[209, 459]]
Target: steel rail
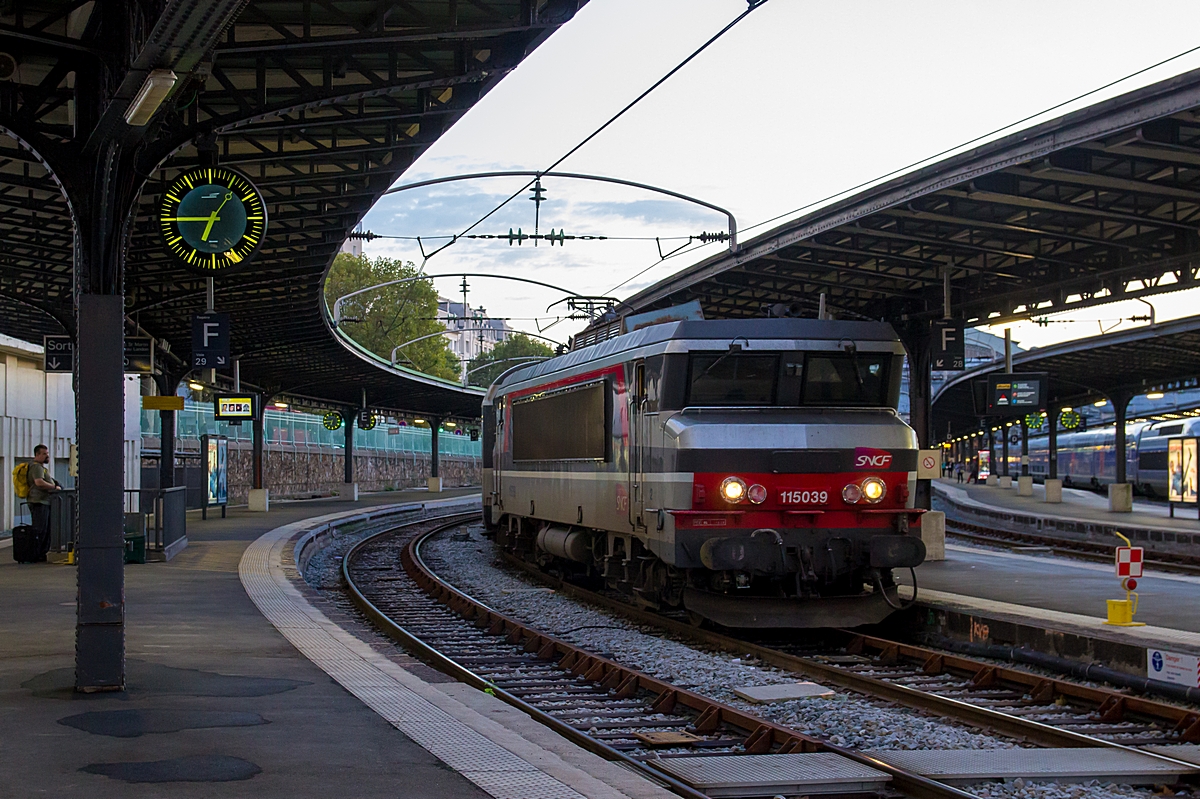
[[974, 715], [762, 735], [765, 732], [1088, 550], [454, 669]]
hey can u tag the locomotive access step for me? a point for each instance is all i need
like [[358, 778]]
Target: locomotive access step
[[965, 766], [809, 773]]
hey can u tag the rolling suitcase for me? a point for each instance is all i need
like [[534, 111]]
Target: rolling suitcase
[[28, 546]]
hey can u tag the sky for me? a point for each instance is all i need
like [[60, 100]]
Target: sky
[[800, 101]]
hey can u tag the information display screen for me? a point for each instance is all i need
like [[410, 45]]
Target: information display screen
[[1016, 394], [235, 407]]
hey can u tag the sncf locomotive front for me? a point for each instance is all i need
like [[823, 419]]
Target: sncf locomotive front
[[754, 472]]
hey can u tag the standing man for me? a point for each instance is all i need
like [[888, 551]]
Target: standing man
[[41, 486]]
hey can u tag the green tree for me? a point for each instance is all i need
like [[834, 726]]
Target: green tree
[[517, 345], [393, 315]]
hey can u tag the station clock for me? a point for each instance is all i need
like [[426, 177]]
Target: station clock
[[213, 219]]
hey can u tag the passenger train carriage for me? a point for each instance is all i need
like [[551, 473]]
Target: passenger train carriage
[[754, 472], [1089, 459]]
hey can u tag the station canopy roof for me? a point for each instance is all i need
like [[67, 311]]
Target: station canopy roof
[[322, 104], [1128, 362], [1096, 206]]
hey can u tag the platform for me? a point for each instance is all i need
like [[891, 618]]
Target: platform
[[217, 695], [1082, 513]]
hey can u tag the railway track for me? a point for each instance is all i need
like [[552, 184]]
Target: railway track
[[1086, 550], [617, 712], [1029, 707]]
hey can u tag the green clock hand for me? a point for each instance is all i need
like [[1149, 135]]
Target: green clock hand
[[212, 218], [189, 218]]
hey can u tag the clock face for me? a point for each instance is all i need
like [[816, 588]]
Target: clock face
[[212, 219]]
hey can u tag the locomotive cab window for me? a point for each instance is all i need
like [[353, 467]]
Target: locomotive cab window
[[859, 379], [732, 378]]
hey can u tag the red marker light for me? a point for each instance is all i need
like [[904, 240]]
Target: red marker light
[[1129, 584], [757, 494]]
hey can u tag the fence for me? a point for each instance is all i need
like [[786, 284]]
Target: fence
[[284, 430]]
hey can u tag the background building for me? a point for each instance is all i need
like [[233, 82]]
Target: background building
[[470, 333]]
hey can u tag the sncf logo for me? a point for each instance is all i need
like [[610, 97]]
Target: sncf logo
[[868, 458]]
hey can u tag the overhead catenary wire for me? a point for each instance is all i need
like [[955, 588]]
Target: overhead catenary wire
[[586, 236], [975, 140], [926, 159], [753, 4]]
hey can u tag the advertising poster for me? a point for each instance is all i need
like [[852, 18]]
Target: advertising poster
[[1189, 470], [1175, 470], [985, 464], [216, 451]]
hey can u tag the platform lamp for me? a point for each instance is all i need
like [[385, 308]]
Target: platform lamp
[[155, 88]]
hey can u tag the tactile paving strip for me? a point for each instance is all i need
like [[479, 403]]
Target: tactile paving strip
[[758, 775], [367, 675], [1064, 765]]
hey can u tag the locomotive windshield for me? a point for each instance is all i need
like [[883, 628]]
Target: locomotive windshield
[[845, 379], [733, 378], [812, 378]]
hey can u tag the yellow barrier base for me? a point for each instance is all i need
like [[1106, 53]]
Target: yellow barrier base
[[1120, 613]]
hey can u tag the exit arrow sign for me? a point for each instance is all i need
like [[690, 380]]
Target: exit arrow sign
[[59, 354]]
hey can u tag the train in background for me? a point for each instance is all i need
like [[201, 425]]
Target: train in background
[[754, 473], [1089, 459]]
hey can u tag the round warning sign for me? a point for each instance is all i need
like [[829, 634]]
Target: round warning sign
[[929, 462]]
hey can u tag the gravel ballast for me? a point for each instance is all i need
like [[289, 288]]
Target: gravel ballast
[[846, 719]]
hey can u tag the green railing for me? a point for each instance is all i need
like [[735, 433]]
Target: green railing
[[286, 429]]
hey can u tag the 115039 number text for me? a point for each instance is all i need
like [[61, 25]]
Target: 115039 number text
[[798, 497]]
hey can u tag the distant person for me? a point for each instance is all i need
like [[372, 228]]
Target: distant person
[[958, 472], [974, 478], [41, 486]]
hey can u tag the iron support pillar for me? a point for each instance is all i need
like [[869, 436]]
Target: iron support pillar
[[1004, 449], [1120, 403], [103, 186], [167, 384], [1024, 448], [166, 449], [993, 466], [918, 344], [100, 539], [256, 447], [434, 424], [349, 465], [1052, 447]]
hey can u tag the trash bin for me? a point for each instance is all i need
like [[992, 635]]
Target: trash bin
[[135, 547]]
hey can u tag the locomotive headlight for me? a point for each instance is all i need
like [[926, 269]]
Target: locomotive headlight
[[873, 489], [757, 494], [733, 489], [851, 494]]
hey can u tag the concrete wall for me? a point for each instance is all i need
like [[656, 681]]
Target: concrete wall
[[294, 474], [299, 473]]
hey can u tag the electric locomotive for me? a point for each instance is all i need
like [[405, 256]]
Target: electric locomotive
[[753, 472]]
